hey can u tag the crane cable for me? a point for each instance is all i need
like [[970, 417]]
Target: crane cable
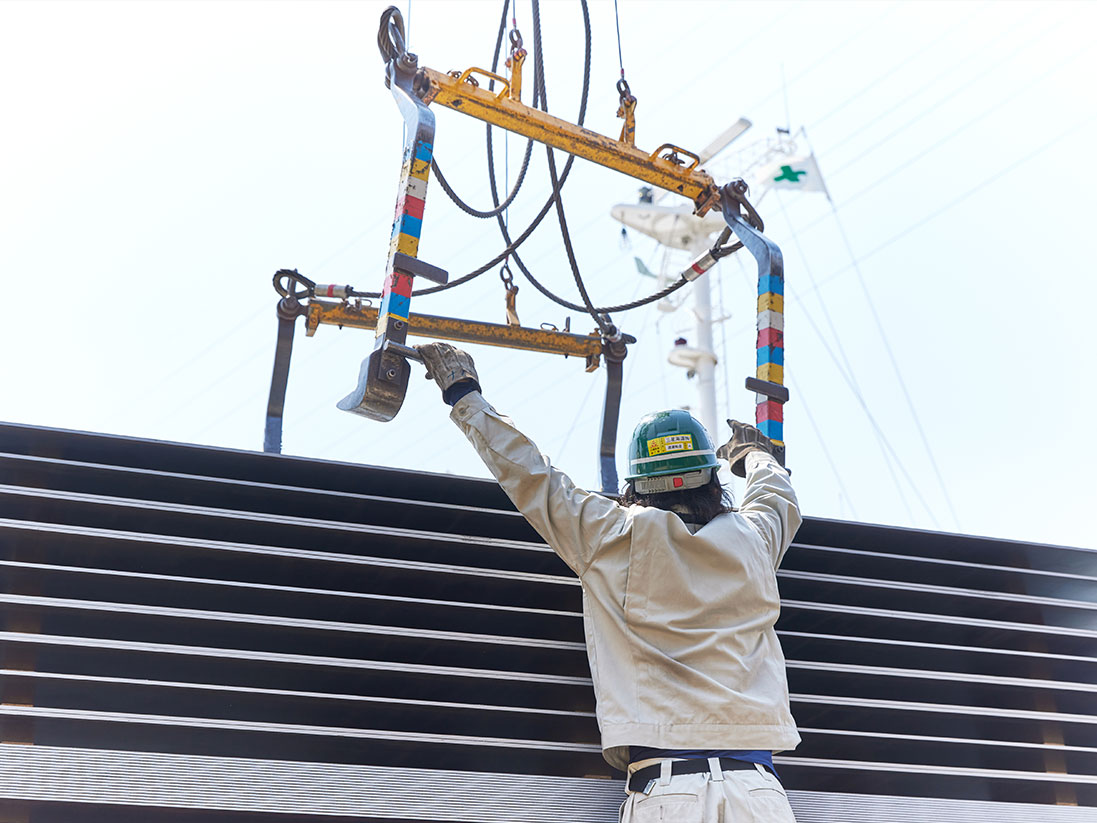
[[752, 215], [499, 207]]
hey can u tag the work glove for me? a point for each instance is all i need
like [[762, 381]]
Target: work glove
[[451, 368], [744, 439]]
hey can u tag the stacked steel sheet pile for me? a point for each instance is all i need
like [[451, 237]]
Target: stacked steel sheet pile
[[227, 632]]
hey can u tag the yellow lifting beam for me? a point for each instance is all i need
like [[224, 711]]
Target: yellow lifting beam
[[663, 167], [548, 341]]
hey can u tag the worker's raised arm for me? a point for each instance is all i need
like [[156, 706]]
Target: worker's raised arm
[[769, 503], [574, 522]]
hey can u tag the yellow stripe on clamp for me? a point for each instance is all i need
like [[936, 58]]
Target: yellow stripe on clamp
[[420, 169], [406, 244], [771, 302], [772, 372]]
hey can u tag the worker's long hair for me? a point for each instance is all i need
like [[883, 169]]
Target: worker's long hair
[[698, 505]]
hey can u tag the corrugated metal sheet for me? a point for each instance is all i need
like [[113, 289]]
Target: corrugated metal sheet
[[233, 632]]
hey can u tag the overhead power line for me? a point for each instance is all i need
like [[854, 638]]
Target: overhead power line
[[898, 372], [935, 38], [956, 90], [845, 368], [822, 441], [883, 177], [996, 176]]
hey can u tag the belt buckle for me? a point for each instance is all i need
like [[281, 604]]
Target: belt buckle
[[650, 786]]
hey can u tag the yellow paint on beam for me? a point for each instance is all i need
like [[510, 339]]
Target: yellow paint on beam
[[408, 245], [476, 101], [773, 372], [771, 302]]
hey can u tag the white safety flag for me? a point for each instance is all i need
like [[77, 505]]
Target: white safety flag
[[800, 173]]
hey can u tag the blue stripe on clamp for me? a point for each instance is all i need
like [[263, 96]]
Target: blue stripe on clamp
[[396, 305], [770, 354], [773, 429], [424, 151], [771, 283], [411, 226]]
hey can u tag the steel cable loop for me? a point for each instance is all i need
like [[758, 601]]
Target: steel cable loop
[[737, 190], [539, 85], [602, 320], [499, 207], [390, 34], [293, 277], [465, 207]]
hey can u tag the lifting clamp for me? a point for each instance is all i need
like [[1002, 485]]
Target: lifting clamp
[[383, 377]]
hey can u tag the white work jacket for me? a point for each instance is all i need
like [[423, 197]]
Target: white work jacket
[[679, 626]]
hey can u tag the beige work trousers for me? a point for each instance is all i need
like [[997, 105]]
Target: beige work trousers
[[737, 796]]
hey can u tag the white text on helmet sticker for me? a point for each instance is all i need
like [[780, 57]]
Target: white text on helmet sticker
[[670, 443]]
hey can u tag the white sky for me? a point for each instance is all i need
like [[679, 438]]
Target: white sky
[[159, 161]]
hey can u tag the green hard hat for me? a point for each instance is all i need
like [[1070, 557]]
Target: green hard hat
[[670, 442]]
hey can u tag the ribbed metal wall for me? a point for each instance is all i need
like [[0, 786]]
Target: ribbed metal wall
[[195, 629]]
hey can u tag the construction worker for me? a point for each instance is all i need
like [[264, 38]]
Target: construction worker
[[679, 602]]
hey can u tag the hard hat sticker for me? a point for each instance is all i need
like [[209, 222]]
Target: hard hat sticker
[[670, 443]]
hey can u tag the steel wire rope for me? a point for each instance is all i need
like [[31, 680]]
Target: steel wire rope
[[529, 374], [539, 89], [499, 207], [617, 22]]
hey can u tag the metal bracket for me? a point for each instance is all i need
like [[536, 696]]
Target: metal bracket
[[614, 351], [289, 309]]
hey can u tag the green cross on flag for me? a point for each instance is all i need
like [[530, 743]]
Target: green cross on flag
[[800, 173]]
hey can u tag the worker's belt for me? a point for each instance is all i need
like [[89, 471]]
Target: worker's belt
[[641, 777]]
